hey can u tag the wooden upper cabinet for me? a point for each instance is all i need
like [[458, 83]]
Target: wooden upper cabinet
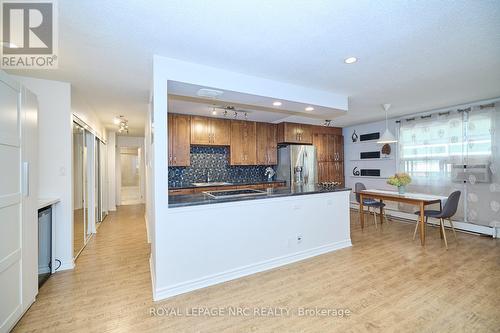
[[320, 141], [200, 130], [220, 130], [339, 148], [266, 143], [243, 143], [179, 128], [210, 131], [294, 133]]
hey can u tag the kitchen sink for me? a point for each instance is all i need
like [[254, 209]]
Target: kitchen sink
[[211, 184], [234, 193]]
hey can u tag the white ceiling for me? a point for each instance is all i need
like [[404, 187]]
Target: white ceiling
[[416, 55]]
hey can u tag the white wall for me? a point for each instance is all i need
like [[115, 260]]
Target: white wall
[[55, 157], [129, 141], [387, 166], [81, 108], [111, 152]]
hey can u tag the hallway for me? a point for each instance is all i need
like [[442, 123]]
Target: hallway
[[110, 281]]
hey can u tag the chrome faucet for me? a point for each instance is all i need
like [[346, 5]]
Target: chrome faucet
[[208, 176]]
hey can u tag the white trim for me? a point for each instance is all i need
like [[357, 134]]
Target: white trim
[[459, 226], [147, 227], [66, 266], [153, 281], [166, 292]]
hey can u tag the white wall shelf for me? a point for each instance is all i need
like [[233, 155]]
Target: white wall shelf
[[371, 177], [363, 142], [373, 159]]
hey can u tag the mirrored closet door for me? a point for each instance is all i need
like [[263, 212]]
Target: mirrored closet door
[[79, 192]]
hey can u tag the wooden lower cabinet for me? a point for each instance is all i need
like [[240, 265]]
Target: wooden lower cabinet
[[331, 172]]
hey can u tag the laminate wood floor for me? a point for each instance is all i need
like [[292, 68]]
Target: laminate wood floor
[[388, 282]]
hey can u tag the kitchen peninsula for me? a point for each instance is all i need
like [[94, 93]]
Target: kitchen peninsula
[[230, 216]]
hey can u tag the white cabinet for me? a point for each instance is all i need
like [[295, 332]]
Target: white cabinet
[[18, 201]]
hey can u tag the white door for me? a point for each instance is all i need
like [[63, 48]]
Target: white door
[[10, 204]]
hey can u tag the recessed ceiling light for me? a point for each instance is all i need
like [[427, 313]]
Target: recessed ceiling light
[[309, 108], [277, 103], [350, 60]]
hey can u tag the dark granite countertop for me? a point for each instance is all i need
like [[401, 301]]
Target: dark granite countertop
[[187, 185], [204, 199]]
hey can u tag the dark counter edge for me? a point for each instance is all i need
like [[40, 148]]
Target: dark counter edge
[[202, 199], [258, 182]]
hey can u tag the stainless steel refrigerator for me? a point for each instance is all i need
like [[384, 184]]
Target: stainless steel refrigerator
[[297, 165]]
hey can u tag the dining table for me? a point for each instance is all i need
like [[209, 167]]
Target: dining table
[[418, 199]]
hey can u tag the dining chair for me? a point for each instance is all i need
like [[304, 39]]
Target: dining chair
[[449, 209], [358, 187]]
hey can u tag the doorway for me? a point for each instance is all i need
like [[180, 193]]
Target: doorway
[[130, 176]]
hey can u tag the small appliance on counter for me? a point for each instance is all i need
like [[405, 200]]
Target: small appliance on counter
[[297, 164]]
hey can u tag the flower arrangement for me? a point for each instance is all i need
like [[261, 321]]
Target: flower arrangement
[[400, 180]]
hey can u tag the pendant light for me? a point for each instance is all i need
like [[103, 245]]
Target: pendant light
[[387, 137]]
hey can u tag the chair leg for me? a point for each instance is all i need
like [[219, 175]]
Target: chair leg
[[375, 218], [441, 222], [416, 228], [453, 228]]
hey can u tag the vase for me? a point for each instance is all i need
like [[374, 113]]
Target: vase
[[401, 189]]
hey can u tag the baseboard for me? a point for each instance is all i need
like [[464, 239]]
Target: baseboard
[[66, 266], [184, 287], [152, 272], [460, 226], [147, 227]]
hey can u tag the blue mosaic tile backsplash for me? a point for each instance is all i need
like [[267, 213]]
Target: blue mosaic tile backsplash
[[216, 160]]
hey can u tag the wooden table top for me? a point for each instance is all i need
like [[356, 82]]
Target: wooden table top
[[394, 195]]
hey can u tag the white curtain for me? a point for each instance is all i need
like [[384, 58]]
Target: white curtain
[[434, 148]]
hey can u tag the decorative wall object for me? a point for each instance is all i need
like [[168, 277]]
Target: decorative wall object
[[386, 149], [216, 161], [355, 171], [354, 136]]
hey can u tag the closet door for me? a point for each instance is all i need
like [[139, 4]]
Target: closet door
[[10, 205]]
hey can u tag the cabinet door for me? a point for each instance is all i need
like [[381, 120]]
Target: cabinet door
[[339, 147], [272, 144], [200, 130], [261, 134], [220, 132], [322, 147], [181, 145], [331, 154], [266, 144], [305, 133], [170, 128], [323, 170], [236, 149], [332, 171], [249, 142]]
